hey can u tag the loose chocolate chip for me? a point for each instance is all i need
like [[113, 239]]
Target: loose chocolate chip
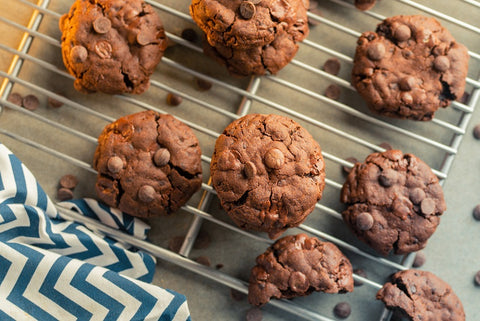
[[219, 266], [79, 54], [376, 51], [347, 169], [237, 295], [476, 212], [420, 259], [386, 146], [173, 100], [68, 181], [15, 98], [407, 83], [146, 193], [189, 34], [203, 85], [402, 33], [254, 314], [465, 98], [427, 206], [202, 241], [250, 170], [477, 278], [333, 92], [247, 10], [388, 177], [54, 103], [30, 102], [332, 66], [476, 131], [359, 272], [114, 164], [64, 194], [143, 38], [175, 243], [103, 49], [417, 195], [102, 25], [441, 63], [364, 221], [274, 158], [203, 260], [161, 157], [342, 310]]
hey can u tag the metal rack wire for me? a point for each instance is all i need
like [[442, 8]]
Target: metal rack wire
[[251, 95]]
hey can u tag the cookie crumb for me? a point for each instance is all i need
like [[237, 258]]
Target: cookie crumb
[[476, 212], [68, 181], [15, 98], [476, 131], [333, 92], [203, 85], [64, 194], [420, 259], [30, 102], [477, 278], [173, 100], [332, 66], [203, 260], [359, 272], [175, 243]]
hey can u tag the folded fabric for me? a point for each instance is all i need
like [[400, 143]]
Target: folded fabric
[[51, 269]]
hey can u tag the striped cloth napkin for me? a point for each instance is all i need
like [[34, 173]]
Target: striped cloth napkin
[[51, 269]]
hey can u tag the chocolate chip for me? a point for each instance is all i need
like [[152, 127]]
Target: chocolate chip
[[15, 98], [64, 194], [146, 193], [298, 282], [175, 243], [103, 49], [364, 221], [189, 34], [332, 66], [254, 314], [203, 85], [78, 54], [52, 102], [30, 102], [427, 206], [274, 158], [342, 310], [388, 177], [203, 260], [419, 260], [417, 195], [376, 51], [386, 146], [202, 241], [143, 38], [237, 295], [441, 63], [476, 212], [465, 98], [402, 33], [173, 100], [250, 170], [219, 266], [333, 92], [477, 278], [359, 272], [68, 181], [353, 160], [247, 10], [407, 83], [102, 25], [476, 131], [114, 164], [161, 157]]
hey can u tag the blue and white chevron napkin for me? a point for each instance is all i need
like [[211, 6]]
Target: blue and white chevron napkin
[[51, 269]]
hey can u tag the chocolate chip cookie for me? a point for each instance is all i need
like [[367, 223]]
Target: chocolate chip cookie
[[112, 46], [148, 164], [297, 265], [268, 172], [421, 296], [409, 68], [394, 202]]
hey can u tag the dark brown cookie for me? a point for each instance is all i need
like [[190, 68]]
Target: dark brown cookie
[[297, 265], [112, 46], [409, 68], [268, 172], [394, 202], [148, 164], [421, 296]]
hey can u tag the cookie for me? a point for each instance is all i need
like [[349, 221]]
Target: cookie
[[148, 164], [394, 202], [112, 46], [297, 265], [268, 172], [421, 296], [410, 67]]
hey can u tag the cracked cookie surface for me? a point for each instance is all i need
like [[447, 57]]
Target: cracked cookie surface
[[421, 296], [112, 46], [268, 172], [148, 164], [410, 67], [297, 265], [394, 202]]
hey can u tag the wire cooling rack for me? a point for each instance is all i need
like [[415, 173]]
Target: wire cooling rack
[[55, 140]]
